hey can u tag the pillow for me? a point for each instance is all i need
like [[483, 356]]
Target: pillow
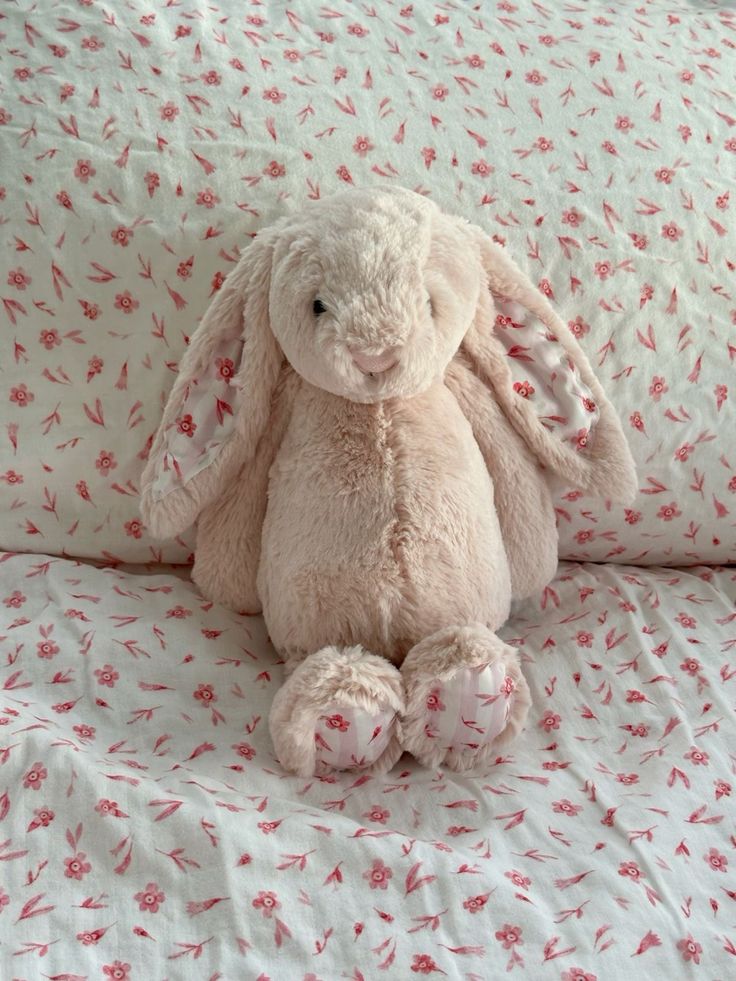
[[140, 155]]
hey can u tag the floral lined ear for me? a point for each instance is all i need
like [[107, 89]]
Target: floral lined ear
[[220, 403], [541, 378]]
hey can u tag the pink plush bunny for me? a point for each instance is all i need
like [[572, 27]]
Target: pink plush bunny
[[364, 426]]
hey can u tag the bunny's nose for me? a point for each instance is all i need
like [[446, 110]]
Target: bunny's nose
[[371, 364]]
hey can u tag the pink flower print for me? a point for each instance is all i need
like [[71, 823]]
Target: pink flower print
[[731, 484], [640, 730], [685, 132], [65, 200], [49, 338], [664, 175], [509, 936], [535, 77], [59, 50], [47, 649], [274, 95], [133, 528], [623, 124], [106, 807], [434, 702], [21, 396], [423, 964], [292, 55], [474, 904], [588, 404], [217, 280], [474, 61], [690, 949], [92, 43], [687, 76], [11, 477], [125, 302], [519, 880], [339, 73], [106, 676], [378, 875], [169, 111], [85, 732], [83, 490], [683, 452], [117, 971], [186, 425], [121, 236], [481, 168], [686, 621], [723, 789], [90, 937], [698, 757], [23, 74], [336, 722], [5, 116], [244, 750], [150, 898], [35, 777], [439, 92], [603, 270], [577, 974], [225, 368], [274, 170], [43, 816], [578, 327], [544, 144], [672, 231], [572, 217], [508, 686], [344, 174], [721, 394], [362, 146], [152, 182], [377, 814], [179, 612], [565, 806], [609, 148], [357, 30], [15, 600], [205, 695], [182, 30], [19, 278], [632, 517], [211, 77], [207, 198], [668, 512], [267, 903], [580, 439], [549, 721], [640, 241], [583, 536], [630, 870], [627, 779], [657, 388], [718, 862], [76, 867], [632, 696], [4, 899], [92, 312], [546, 287], [430, 155], [106, 462]]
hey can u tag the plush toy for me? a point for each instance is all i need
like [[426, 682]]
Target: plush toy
[[365, 426]]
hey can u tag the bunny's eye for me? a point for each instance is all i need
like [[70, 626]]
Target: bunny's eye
[[318, 307]]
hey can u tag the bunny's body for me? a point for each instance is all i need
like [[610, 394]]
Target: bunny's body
[[380, 527], [358, 427]]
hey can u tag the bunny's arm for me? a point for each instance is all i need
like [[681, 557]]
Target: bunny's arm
[[229, 530], [522, 497]]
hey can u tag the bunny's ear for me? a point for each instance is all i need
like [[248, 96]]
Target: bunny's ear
[[220, 403], [543, 381]]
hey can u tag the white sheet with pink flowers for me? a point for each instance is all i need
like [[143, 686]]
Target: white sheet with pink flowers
[[147, 832]]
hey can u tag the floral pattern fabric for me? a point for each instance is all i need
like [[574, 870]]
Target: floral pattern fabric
[[142, 146], [147, 831]]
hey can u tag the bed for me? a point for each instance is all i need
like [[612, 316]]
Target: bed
[[146, 828]]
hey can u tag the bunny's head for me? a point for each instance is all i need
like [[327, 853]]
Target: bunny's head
[[370, 294]]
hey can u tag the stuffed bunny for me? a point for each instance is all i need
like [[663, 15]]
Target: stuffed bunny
[[364, 427]]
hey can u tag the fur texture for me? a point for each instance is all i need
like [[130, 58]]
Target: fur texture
[[351, 497]]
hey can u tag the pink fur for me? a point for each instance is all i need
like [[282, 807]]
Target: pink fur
[[375, 518]]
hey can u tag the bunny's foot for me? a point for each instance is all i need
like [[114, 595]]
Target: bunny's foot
[[465, 697], [338, 711]]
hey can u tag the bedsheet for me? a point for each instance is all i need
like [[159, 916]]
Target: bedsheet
[[146, 830]]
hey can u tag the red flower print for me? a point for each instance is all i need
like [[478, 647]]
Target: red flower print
[[603, 269], [150, 898], [544, 144], [722, 201], [535, 77], [509, 936], [640, 241], [225, 368], [344, 174], [207, 198], [11, 477], [292, 55], [245, 750], [481, 168], [152, 182], [35, 777], [186, 425], [434, 702], [627, 779], [572, 218], [59, 50], [92, 312], [217, 280], [21, 396], [76, 867], [47, 649], [439, 92], [106, 462], [550, 720], [639, 730], [685, 132], [672, 231], [42, 819], [669, 511], [205, 694], [623, 124], [565, 806], [23, 74], [475, 903], [377, 814], [106, 807], [577, 974], [211, 77], [182, 30], [474, 61], [274, 170], [125, 302], [92, 43], [133, 528], [580, 439], [690, 949], [583, 536], [519, 880], [336, 722], [64, 200], [630, 870], [274, 95], [578, 327], [686, 621], [632, 517], [362, 146], [169, 111], [664, 175], [106, 676], [82, 489], [117, 971], [357, 30], [49, 338], [19, 278], [687, 76], [723, 789], [508, 686], [84, 732], [90, 937], [718, 862], [657, 388], [423, 964], [121, 236], [632, 695], [267, 903], [15, 600], [698, 757], [378, 875]]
